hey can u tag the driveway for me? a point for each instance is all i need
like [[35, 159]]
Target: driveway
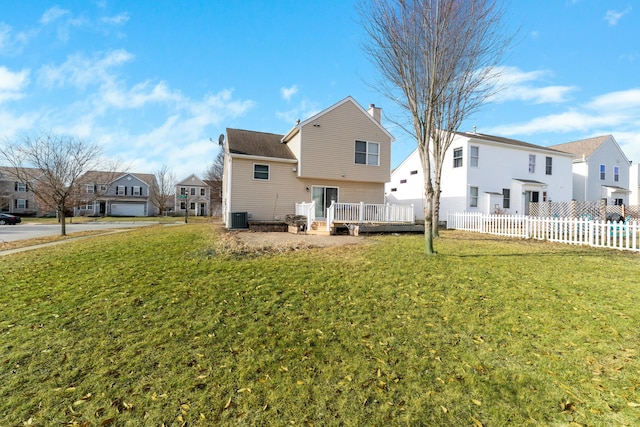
[[23, 231]]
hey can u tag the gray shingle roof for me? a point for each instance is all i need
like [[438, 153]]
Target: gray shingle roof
[[257, 144], [583, 147], [508, 141]]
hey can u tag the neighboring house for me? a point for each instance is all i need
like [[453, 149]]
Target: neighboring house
[[15, 196], [634, 184], [487, 174], [600, 170], [341, 154], [115, 194], [194, 194]]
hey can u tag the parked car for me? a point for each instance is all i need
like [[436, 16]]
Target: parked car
[[6, 218]]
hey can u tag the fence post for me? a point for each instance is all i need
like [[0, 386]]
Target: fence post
[[361, 216]]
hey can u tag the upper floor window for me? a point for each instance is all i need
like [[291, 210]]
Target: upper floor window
[[457, 157], [183, 191], [532, 163], [367, 153], [603, 173], [21, 186], [203, 192], [121, 190], [90, 188], [403, 181], [474, 156], [548, 166], [415, 172], [137, 191], [193, 191], [616, 173], [260, 171], [473, 200]]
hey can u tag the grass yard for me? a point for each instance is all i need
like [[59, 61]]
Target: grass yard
[[167, 325]]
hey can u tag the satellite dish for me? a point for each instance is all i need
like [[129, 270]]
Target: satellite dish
[[221, 139]]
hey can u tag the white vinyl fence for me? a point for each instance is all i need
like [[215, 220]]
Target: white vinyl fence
[[621, 235]]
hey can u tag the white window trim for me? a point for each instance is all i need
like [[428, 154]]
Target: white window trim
[[268, 172], [460, 157], [532, 163], [367, 152], [472, 157]]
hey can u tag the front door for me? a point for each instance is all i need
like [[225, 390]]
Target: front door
[[530, 197], [324, 196]]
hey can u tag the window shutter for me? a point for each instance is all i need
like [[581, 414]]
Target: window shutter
[[15, 186], [26, 204]]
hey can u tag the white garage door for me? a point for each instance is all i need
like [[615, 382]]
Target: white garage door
[[127, 209]]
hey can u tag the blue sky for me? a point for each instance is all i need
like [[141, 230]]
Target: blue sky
[[153, 81]]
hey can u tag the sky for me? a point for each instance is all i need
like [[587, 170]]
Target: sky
[[156, 82]]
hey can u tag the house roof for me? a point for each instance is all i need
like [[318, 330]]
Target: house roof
[[583, 148], [102, 177], [259, 144], [8, 173], [509, 141]]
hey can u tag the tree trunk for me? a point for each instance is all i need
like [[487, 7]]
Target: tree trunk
[[63, 223], [428, 220]]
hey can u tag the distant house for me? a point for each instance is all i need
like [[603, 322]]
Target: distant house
[[15, 195], [193, 194], [487, 174], [600, 170], [341, 154], [115, 194]]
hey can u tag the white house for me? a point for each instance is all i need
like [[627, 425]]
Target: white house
[[600, 170], [487, 174]]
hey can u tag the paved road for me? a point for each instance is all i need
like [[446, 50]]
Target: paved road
[[10, 233]]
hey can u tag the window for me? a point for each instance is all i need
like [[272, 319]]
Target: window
[[457, 157], [203, 192], [21, 186], [103, 187], [403, 181], [21, 204], [473, 200], [261, 172], [183, 191], [618, 202], [121, 190], [394, 189], [367, 153], [183, 205], [602, 172], [548, 165], [474, 155], [87, 207], [532, 163], [136, 191], [506, 198], [616, 173], [193, 191], [413, 172], [192, 206], [90, 188]]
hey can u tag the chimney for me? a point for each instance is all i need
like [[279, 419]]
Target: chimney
[[375, 112]]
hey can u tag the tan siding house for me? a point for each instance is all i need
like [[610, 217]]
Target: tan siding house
[[341, 154]]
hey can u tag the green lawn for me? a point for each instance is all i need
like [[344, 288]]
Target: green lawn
[[164, 325]]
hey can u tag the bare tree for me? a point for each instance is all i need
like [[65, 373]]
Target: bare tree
[[162, 190], [213, 178], [438, 60], [59, 161]]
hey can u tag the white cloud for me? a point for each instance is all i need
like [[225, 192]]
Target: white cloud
[[53, 14], [615, 113], [120, 19], [81, 71], [613, 16], [288, 92], [518, 85], [12, 84], [302, 111]]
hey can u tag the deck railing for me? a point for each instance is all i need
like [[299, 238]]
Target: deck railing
[[622, 235], [308, 210], [363, 213]]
